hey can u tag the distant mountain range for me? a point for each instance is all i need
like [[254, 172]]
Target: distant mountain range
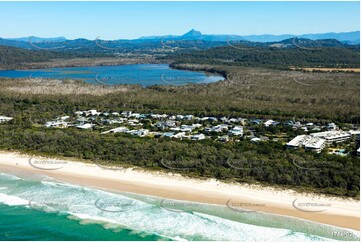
[[347, 37], [191, 40], [350, 37], [38, 39]]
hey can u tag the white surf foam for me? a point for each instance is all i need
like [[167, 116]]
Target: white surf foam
[[12, 200], [142, 216]]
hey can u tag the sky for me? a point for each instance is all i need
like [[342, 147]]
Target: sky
[[129, 20]]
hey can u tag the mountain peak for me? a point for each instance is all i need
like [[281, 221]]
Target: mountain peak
[[192, 33]]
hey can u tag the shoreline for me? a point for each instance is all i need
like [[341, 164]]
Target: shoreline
[[336, 211]]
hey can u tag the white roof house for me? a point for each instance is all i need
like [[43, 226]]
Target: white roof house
[[126, 113], [198, 137], [331, 126], [187, 128], [219, 128], [85, 126], [141, 132], [180, 135], [117, 130], [64, 117], [224, 138], [5, 119], [188, 117], [236, 131], [93, 112], [56, 124], [196, 125], [269, 123], [256, 139]]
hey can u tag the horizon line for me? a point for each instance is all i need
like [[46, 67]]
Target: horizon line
[[33, 36]]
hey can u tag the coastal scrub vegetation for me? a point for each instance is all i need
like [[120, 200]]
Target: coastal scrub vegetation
[[267, 163], [246, 92]]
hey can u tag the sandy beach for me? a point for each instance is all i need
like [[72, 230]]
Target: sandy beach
[[324, 209]]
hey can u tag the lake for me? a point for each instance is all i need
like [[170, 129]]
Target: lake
[[141, 74]]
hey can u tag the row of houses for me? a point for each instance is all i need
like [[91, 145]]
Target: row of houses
[[146, 132], [173, 124], [187, 126], [170, 120]]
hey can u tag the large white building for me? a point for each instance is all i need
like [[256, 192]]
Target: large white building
[[318, 141], [315, 144], [333, 136], [308, 142], [298, 141]]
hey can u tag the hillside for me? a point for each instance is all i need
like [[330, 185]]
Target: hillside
[[281, 55], [15, 58]]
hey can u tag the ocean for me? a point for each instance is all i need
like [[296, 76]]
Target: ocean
[[36, 207], [141, 74]]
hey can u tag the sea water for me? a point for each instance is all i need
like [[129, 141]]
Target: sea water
[[40, 208]]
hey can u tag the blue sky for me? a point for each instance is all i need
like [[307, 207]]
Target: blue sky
[[115, 20]]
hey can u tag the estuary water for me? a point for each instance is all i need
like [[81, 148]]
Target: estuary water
[[141, 74]]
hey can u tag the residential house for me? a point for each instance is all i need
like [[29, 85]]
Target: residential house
[[180, 135], [255, 121], [268, 123], [331, 127], [224, 138], [117, 130], [168, 134], [85, 126], [236, 131], [188, 117], [126, 113], [198, 137], [141, 132], [57, 124]]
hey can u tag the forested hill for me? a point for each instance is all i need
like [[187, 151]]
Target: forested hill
[[12, 57], [274, 57]]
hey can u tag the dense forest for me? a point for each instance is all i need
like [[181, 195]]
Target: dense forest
[[273, 57], [13, 58], [280, 55]]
